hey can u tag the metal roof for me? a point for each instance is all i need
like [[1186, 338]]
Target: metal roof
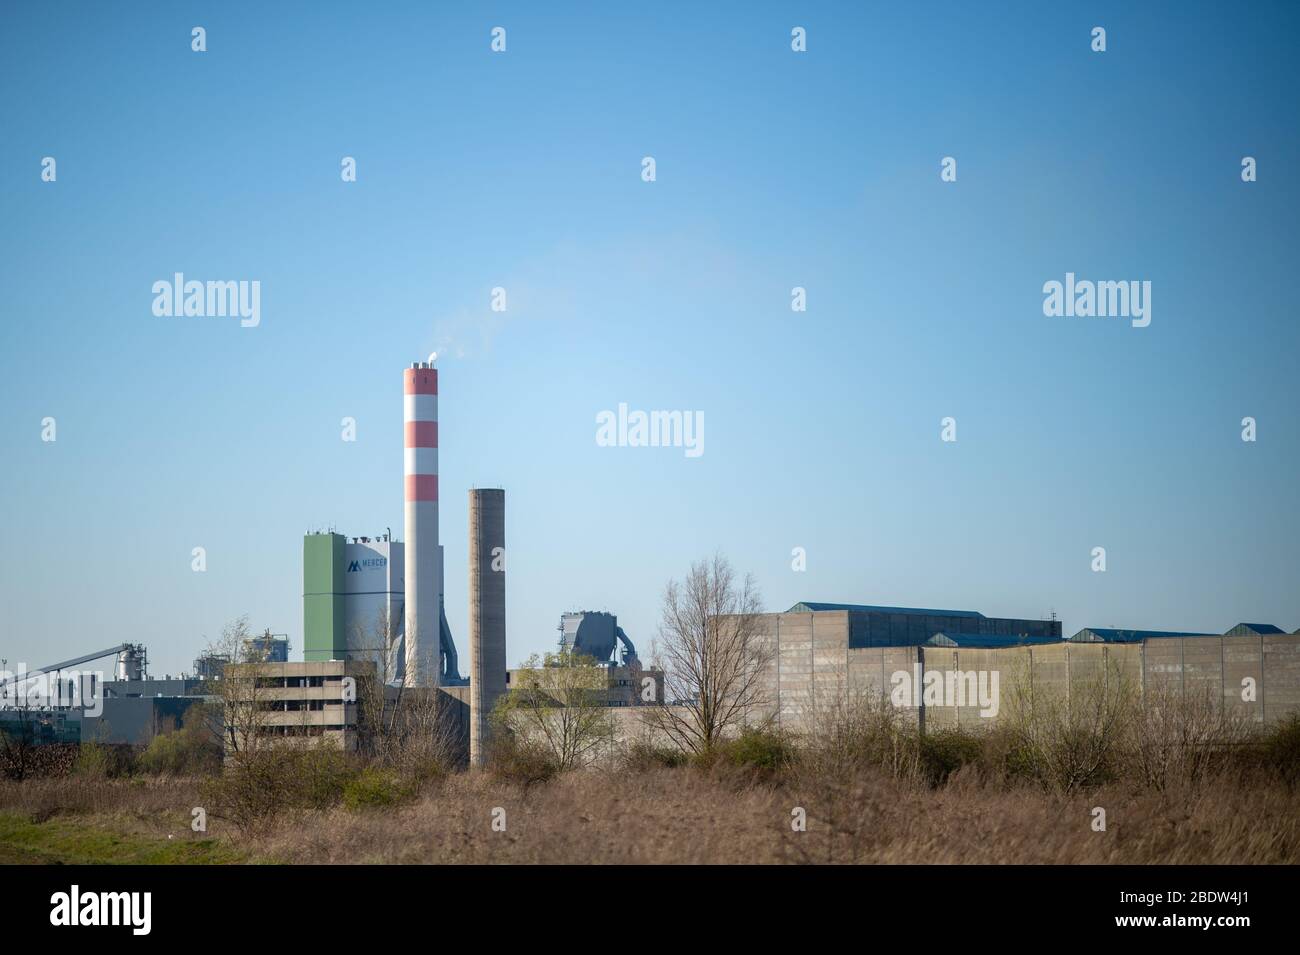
[[1110, 635], [991, 641], [1259, 628], [809, 606]]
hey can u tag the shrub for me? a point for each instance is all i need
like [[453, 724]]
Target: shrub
[[93, 761], [945, 751], [766, 751], [321, 775], [1073, 739], [1279, 748], [642, 756], [518, 762], [1005, 758], [375, 789], [189, 751], [251, 790], [1175, 737], [260, 784], [855, 732]]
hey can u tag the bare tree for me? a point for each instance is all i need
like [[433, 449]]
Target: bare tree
[[560, 705], [242, 695], [378, 714], [855, 729], [18, 755], [1071, 737], [715, 655], [408, 728], [1178, 735]]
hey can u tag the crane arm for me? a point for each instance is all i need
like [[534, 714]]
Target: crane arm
[[64, 664]]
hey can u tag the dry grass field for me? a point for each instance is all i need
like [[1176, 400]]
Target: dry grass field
[[665, 815], [1102, 783]]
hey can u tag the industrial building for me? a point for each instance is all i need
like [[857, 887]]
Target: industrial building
[[300, 701], [424, 617], [62, 702], [487, 614], [353, 605], [364, 599], [383, 600], [873, 626], [622, 686], [1112, 635], [378, 605], [374, 610], [824, 654], [597, 635]]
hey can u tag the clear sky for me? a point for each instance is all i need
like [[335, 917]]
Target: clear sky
[[774, 169]]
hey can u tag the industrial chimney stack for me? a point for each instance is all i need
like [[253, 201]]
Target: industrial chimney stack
[[423, 554], [487, 613]]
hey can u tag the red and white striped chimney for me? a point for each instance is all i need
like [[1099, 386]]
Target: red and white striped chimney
[[423, 555]]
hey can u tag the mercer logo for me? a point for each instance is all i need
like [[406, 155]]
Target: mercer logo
[[359, 565], [354, 567], [102, 908]]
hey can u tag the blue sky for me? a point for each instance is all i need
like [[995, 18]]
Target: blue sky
[[774, 170]]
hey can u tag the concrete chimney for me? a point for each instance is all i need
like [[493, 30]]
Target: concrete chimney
[[487, 613], [423, 556]]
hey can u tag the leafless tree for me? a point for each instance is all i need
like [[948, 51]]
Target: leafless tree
[[560, 705], [378, 644], [408, 728], [855, 729], [18, 756], [715, 655], [1073, 736], [1183, 736], [242, 695]]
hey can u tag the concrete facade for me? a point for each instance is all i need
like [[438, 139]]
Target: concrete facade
[[813, 667], [618, 687], [487, 613], [137, 719], [305, 702]]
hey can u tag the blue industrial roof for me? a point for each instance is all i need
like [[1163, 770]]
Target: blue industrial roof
[[809, 606], [1261, 627], [990, 641], [1110, 635]]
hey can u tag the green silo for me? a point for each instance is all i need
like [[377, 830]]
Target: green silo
[[322, 597]]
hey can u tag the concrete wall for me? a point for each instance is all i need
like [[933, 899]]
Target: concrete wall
[[812, 668], [1220, 665]]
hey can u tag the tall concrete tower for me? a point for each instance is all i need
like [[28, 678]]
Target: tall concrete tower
[[423, 553], [487, 613]]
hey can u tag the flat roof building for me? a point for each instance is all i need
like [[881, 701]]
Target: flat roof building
[[881, 626], [296, 701]]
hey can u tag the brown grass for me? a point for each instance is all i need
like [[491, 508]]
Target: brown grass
[[678, 816], [686, 815], [1179, 785], [41, 799]]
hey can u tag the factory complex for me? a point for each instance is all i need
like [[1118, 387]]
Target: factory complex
[[374, 611], [823, 654]]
